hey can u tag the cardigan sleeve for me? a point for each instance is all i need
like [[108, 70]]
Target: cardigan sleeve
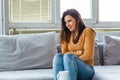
[[64, 47], [88, 51]]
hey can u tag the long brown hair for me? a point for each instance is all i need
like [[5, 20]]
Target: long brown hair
[[65, 32]]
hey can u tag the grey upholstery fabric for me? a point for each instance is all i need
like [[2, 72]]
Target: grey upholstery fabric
[[107, 72], [111, 50], [101, 73], [100, 46], [96, 55], [27, 51], [36, 74]]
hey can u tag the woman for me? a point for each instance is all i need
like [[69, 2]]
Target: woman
[[77, 44]]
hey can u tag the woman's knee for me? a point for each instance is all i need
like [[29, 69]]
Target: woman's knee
[[58, 58], [68, 57]]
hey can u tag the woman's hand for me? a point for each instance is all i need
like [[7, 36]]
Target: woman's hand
[[77, 53]]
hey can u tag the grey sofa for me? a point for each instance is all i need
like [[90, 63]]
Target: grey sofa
[[102, 72]]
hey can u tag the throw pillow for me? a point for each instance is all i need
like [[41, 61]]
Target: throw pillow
[[27, 51], [111, 50]]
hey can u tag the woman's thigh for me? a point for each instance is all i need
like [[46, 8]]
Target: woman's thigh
[[85, 71]]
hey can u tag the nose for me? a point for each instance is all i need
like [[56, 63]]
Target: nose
[[67, 24]]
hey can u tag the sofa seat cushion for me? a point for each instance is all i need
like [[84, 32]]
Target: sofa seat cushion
[[36, 74], [101, 73], [107, 72]]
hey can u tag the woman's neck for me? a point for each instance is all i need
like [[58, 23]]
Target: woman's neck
[[74, 34]]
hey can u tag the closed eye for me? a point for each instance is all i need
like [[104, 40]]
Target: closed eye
[[68, 21]]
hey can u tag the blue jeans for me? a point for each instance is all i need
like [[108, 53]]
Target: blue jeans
[[77, 69]]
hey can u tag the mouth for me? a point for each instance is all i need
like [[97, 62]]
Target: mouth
[[69, 27]]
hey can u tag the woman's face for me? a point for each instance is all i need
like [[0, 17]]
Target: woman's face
[[70, 22]]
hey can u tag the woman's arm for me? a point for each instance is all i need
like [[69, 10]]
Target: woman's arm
[[64, 47], [88, 51]]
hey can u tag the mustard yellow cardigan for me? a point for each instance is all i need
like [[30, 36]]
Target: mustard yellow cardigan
[[84, 49]]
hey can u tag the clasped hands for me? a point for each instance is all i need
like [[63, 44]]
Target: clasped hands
[[77, 52]]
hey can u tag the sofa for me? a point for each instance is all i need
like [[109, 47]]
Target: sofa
[[29, 57]]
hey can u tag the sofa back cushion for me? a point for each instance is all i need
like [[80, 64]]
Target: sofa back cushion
[[100, 48], [111, 53], [96, 54], [27, 51]]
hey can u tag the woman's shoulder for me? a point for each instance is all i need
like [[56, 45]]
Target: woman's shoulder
[[89, 30]]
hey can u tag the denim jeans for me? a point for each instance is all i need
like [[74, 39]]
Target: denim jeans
[[77, 69]]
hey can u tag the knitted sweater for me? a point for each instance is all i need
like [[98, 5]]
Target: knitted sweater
[[84, 48]]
